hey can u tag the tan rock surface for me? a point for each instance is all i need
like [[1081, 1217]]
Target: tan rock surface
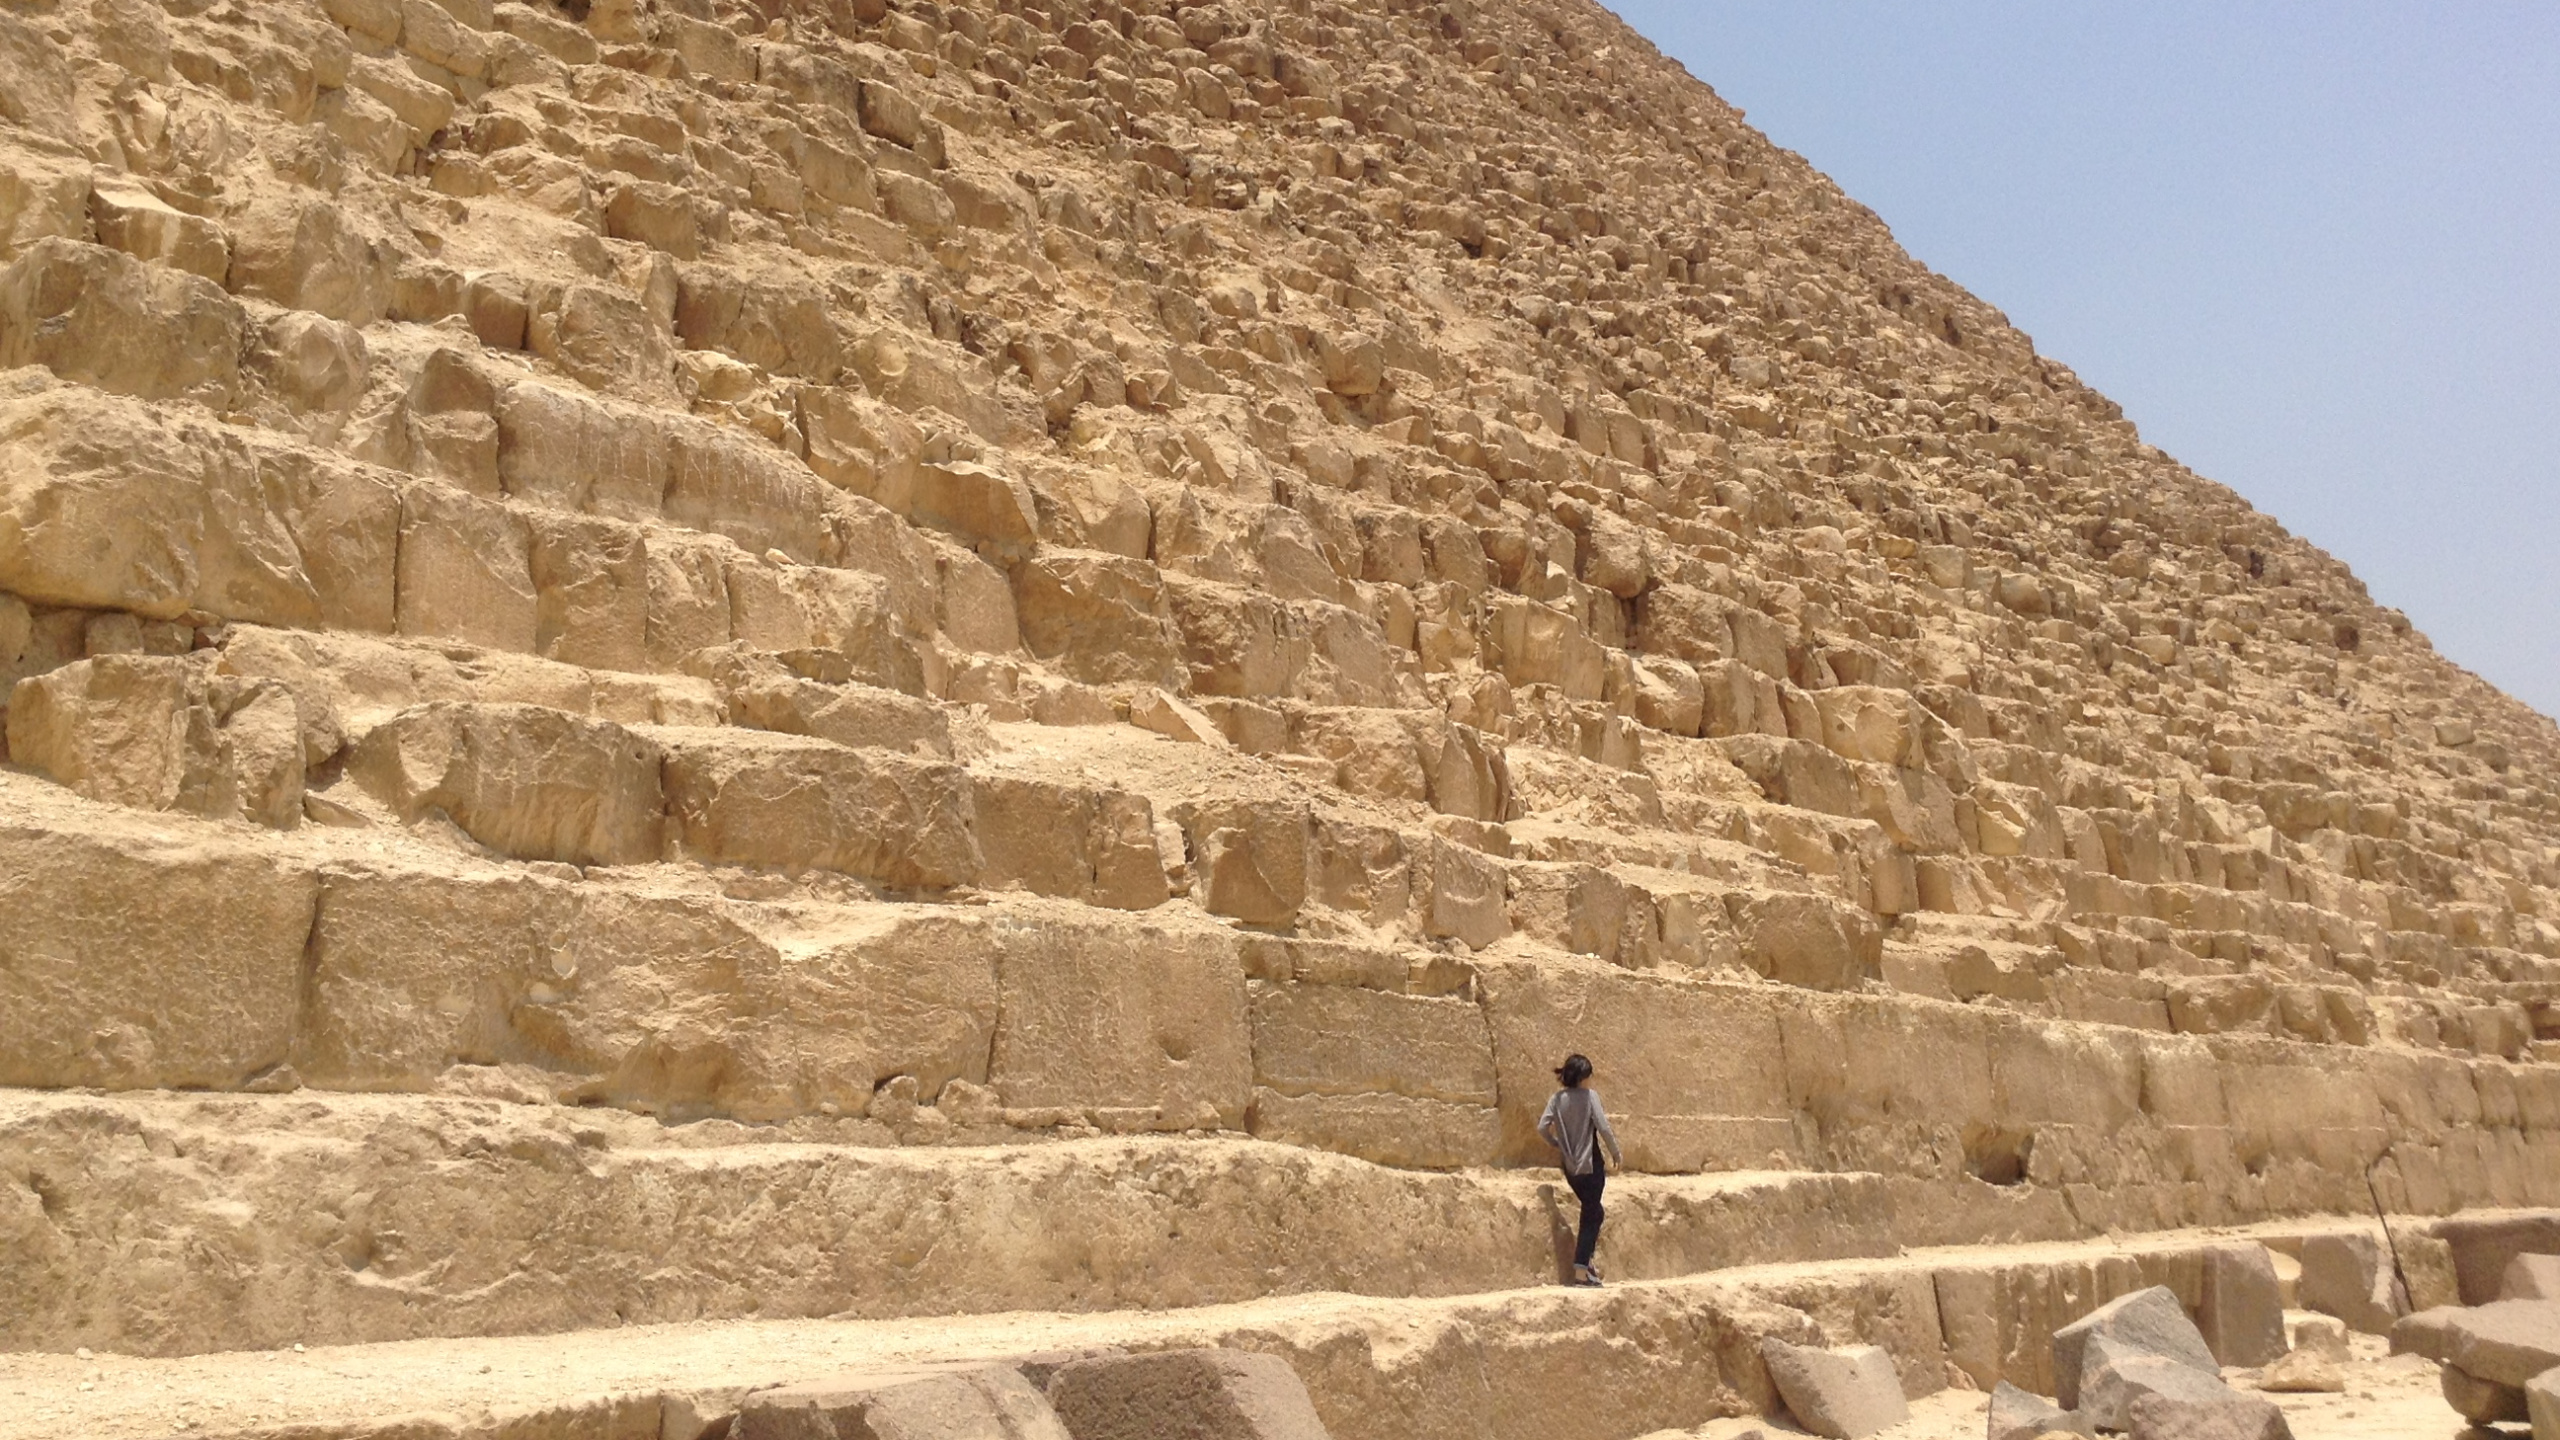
[[708, 660]]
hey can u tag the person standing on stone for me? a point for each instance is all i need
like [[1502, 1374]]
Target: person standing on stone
[[1575, 1124]]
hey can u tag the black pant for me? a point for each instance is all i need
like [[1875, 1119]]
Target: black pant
[[1586, 1188]]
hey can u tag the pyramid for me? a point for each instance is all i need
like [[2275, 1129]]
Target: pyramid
[[705, 691]]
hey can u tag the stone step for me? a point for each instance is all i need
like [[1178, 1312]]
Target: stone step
[[1638, 1356], [234, 958], [175, 1224]]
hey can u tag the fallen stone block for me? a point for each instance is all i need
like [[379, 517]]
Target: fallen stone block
[[2146, 1322], [2347, 1276], [2241, 1314], [2507, 1341], [2542, 1404], [2320, 1334], [2024, 1415], [1196, 1394], [2304, 1372], [2482, 1402], [2114, 1377], [1840, 1393], [2531, 1277], [991, 1403], [2232, 1416]]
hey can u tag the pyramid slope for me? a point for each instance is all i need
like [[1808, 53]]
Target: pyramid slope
[[687, 660]]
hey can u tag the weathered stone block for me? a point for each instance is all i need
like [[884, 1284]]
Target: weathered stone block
[[794, 804], [1210, 1394], [142, 961], [528, 782]]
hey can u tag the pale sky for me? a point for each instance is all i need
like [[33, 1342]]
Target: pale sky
[[2314, 249]]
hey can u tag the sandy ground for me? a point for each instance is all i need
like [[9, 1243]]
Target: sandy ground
[[2388, 1397]]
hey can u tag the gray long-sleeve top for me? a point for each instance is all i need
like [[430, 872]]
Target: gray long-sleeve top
[[1572, 1122]]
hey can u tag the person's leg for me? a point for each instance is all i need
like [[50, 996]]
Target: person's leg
[[1586, 1188], [1598, 1211]]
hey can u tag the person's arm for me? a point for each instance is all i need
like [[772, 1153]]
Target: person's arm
[[1600, 1120], [1547, 1123]]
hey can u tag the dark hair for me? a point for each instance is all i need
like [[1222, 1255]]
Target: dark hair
[[1574, 1070]]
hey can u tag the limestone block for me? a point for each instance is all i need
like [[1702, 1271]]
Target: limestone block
[[1466, 895], [1808, 940], [804, 607], [988, 1403], [2241, 1313], [749, 492], [128, 217], [1669, 696], [1210, 1394], [783, 328], [1103, 619], [2115, 1377], [1075, 842], [688, 600], [35, 80], [97, 317], [2505, 1342], [603, 338], [1695, 1074], [1403, 1131], [1840, 1393], [570, 452], [1139, 1018], [1738, 700], [315, 365], [526, 781], [2483, 1247], [2020, 1415], [2323, 1335], [127, 730], [1354, 365], [795, 804], [1867, 722], [304, 254], [658, 216], [858, 444], [1798, 773], [1535, 644], [1240, 643], [978, 504], [1342, 1040], [466, 571], [591, 589], [2542, 1403], [41, 196], [2305, 1372], [1685, 623], [1249, 861], [2145, 1323], [2482, 1402], [432, 33], [2531, 1277], [2230, 1416], [769, 697], [414, 972], [146, 961]]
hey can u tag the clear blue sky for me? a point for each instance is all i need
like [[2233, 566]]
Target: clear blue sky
[[2314, 249]]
